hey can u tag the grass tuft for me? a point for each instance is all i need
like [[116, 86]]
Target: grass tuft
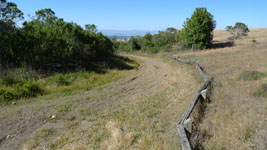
[[251, 75], [262, 91]]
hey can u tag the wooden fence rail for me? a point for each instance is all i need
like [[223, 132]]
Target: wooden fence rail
[[184, 126]]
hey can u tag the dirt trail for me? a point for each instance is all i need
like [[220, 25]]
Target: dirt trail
[[19, 123]]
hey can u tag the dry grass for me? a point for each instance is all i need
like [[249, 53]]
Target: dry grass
[[139, 111], [20, 119], [235, 119]]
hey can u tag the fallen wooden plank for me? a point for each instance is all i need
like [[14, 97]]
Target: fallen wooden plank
[[183, 138]]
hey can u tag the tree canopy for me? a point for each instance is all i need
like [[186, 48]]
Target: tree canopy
[[48, 42], [9, 12], [198, 30]]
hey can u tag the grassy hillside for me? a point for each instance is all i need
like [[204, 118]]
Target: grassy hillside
[[139, 108], [236, 117], [139, 111]]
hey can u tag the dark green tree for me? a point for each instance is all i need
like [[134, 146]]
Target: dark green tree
[[9, 12], [134, 44], [163, 40], [171, 29], [45, 15], [147, 42], [9, 33], [198, 30], [47, 42], [91, 27]]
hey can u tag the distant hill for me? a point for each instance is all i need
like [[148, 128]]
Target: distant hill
[[121, 34], [118, 37]]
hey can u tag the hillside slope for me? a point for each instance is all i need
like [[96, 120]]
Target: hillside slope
[[139, 111], [236, 118]]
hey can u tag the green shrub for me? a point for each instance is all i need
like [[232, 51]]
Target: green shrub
[[162, 41], [63, 79], [198, 30], [124, 46], [7, 94], [251, 75], [262, 91], [134, 44], [20, 90], [11, 81], [29, 89], [8, 81]]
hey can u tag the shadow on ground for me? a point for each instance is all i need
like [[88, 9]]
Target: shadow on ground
[[217, 44], [111, 62]]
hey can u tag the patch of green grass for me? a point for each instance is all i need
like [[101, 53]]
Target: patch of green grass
[[262, 91], [6, 94], [19, 83], [23, 84], [251, 75], [10, 81], [21, 89], [30, 89], [63, 79]]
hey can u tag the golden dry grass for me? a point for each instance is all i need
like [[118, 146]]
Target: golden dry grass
[[235, 119], [139, 111]]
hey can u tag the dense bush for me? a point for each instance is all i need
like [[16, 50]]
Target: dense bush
[[198, 30], [48, 42], [163, 41], [6, 94], [197, 33], [134, 45], [238, 31], [29, 89], [15, 89], [61, 79], [9, 81]]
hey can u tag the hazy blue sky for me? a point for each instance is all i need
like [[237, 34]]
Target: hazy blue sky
[[149, 14]]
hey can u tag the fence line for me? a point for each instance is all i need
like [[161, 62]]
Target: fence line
[[185, 124]]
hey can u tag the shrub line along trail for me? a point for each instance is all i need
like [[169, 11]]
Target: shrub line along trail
[[155, 77]]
